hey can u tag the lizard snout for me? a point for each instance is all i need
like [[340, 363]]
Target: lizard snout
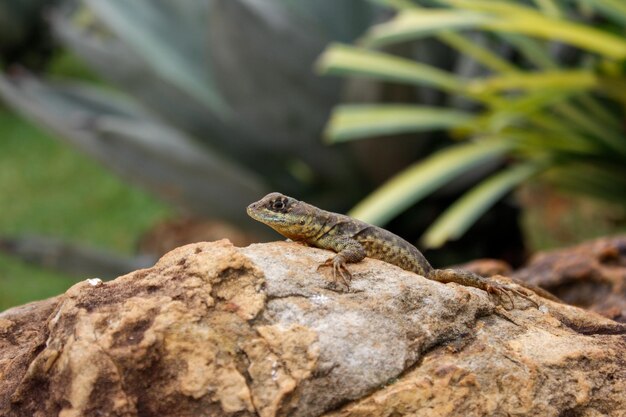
[[252, 208]]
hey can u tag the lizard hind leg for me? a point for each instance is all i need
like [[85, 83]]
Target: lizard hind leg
[[500, 292], [503, 289], [471, 279], [524, 296]]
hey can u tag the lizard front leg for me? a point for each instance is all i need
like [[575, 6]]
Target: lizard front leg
[[348, 251]]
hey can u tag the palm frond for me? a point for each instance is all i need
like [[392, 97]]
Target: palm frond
[[455, 221], [420, 179], [350, 122]]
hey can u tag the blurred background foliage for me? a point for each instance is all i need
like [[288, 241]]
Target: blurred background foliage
[[199, 108], [554, 110]]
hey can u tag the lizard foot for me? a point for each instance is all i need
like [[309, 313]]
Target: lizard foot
[[502, 290], [338, 263], [502, 312]]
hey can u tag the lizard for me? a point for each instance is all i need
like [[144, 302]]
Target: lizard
[[352, 240]]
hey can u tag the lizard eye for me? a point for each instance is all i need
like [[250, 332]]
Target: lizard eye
[[278, 205]]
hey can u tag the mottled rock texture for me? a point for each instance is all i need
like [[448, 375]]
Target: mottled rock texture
[[215, 330], [591, 275]]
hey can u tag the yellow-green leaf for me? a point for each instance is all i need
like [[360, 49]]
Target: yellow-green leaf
[[347, 60], [422, 178], [414, 24], [535, 81], [349, 122], [498, 17], [455, 221]]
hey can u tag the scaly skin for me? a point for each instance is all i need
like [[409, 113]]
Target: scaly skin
[[353, 240]]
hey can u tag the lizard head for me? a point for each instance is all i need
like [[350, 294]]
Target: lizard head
[[284, 214]]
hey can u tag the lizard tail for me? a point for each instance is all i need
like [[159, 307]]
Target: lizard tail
[[471, 279]]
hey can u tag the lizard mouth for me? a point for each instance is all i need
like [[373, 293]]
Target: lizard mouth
[[264, 216]]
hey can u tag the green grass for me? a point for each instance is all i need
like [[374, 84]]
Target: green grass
[[48, 188], [21, 283]]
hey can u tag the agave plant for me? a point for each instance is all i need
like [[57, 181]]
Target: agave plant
[[208, 104], [216, 100], [555, 112]]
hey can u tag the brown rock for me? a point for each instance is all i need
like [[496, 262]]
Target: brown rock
[[591, 275], [216, 330]]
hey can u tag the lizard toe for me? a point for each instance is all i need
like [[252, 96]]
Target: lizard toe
[[340, 270]]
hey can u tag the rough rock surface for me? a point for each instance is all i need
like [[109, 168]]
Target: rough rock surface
[[591, 275], [216, 330]]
